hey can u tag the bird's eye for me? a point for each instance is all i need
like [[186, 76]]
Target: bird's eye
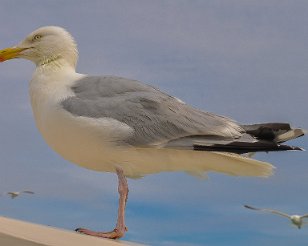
[[36, 37]]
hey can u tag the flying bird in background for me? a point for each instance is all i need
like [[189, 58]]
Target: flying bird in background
[[114, 124], [297, 220], [15, 194]]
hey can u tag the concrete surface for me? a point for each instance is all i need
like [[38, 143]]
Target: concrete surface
[[20, 233]]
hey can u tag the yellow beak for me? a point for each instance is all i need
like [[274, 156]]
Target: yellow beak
[[10, 53]]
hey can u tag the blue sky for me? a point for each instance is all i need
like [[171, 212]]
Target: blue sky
[[244, 59]]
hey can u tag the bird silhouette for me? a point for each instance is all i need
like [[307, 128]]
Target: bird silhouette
[[297, 220], [15, 194]]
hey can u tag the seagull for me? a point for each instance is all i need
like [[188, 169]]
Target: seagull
[[123, 126], [15, 194], [297, 220]]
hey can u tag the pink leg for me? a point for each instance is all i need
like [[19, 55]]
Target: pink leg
[[120, 228]]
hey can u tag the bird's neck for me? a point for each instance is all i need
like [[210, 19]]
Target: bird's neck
[[57, 72], [54, 63]]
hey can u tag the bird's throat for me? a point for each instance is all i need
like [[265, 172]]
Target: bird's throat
[[54, 60]]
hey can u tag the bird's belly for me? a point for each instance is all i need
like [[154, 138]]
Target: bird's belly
[[90, 143]]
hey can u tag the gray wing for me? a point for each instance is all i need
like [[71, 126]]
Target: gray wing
[[268, 211], [157, 118], [28, 192]]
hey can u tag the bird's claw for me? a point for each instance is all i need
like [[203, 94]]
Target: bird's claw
[[114, 234]]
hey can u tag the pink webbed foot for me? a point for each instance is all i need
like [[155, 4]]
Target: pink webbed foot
[[115, 234]]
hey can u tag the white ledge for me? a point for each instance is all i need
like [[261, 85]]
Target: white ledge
[[15, 233]]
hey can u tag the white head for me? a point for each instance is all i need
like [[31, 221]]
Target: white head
[[44, 46]]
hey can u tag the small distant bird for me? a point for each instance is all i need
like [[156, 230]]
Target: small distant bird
[[297, 220], [15, 194]]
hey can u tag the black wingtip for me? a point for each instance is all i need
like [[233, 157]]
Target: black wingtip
[[247, 206], [300, 149], [283, 147]]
